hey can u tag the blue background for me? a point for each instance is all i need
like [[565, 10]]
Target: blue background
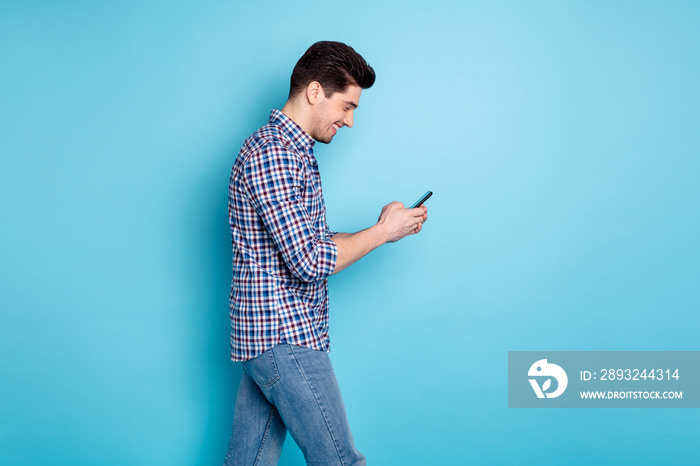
[[561, 141]]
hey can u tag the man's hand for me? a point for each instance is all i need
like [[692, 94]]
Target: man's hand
[[398, 222], [395, 222]]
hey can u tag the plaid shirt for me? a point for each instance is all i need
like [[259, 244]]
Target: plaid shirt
[[282, 251]]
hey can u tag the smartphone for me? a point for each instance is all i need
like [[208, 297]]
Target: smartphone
[[422, 199]]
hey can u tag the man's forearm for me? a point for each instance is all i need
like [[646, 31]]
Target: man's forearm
[[354, 246], [395, 222]]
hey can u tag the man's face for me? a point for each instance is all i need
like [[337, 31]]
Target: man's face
[[331, 114]]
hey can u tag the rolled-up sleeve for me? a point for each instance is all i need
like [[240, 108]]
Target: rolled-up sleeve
[[274, 181], [330, 232]]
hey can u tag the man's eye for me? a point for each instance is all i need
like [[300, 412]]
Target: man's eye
[[347, 109]]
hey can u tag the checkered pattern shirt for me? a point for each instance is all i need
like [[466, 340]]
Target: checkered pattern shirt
[[282, 251]]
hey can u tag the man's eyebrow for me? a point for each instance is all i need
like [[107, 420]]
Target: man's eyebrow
[[353, 104]]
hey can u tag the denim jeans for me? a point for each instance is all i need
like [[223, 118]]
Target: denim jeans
[[290, 387]]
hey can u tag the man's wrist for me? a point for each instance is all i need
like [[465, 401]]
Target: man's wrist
[[380, 234]]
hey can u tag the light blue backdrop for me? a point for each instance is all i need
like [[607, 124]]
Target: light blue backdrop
[[561, 141]]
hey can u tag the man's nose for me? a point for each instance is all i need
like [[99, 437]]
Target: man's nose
[[347, 121]]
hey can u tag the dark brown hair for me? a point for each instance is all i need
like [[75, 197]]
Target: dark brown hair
[[334, 65]]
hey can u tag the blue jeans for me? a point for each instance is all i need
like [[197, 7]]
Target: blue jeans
[[290, 387]]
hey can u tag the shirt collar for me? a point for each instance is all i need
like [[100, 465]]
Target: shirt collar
[[303, 141]]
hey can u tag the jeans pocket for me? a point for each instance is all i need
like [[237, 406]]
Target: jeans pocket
[[263, 369]]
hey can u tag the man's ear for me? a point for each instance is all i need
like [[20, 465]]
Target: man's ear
[[314, 92]]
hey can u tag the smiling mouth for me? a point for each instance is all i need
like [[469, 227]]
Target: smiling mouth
[[335, 128]]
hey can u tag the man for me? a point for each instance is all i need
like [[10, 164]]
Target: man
[[283, 253]]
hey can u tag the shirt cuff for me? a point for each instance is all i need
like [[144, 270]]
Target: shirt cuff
[[327, 258]]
